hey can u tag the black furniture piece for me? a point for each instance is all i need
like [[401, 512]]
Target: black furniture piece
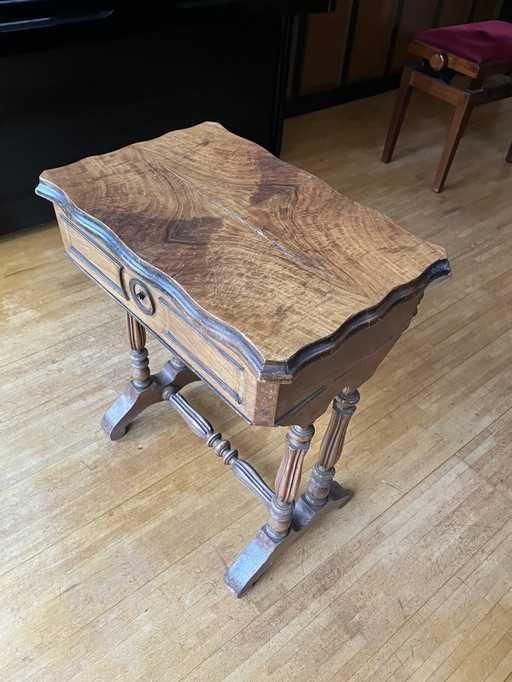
[[84, 77]]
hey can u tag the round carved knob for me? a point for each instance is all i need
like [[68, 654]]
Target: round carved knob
[[438, 61], [142, 296]]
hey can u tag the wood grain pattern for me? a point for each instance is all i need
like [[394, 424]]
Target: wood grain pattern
[[243, 235]]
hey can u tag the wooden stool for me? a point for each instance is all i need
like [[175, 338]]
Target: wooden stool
[[262, 281], [475, 50]]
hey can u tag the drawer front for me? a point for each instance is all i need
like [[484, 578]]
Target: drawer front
[[186, 338], [156, 311], [92, 257]]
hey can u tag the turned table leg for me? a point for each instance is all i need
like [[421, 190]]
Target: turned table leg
[[144, 389], [289, 519], [287, 481], [141, 376], [343, 407]]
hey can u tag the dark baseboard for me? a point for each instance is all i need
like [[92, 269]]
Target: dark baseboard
[[330, 98]]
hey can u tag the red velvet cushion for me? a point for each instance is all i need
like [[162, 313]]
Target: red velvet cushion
[[481, 42]]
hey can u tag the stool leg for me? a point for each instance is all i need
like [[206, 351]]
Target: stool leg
[[463, 110], [143, 389], [402, 101], [287, 481], [343, 407]]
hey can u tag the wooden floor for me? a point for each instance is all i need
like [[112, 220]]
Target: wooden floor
[[111, 561]]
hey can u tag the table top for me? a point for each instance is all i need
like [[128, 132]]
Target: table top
[[259, 247]]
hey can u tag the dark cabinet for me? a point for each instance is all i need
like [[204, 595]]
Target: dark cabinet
[[89, 76]]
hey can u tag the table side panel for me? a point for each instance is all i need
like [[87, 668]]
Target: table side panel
[[353, 363]]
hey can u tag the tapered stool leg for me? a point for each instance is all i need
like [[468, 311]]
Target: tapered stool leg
[[402, 101], [343, 407], [460, 118], [144, 389]]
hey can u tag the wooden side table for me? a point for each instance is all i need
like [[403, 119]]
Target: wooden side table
[[262, 281]]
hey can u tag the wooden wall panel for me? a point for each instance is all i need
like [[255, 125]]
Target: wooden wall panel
[[324, 49], [455, 12], [373, 28], [361, 48], [416, 17], [487, 9]]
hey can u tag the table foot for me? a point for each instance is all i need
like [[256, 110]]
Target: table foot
[[129, 405], [135, 399], [261, 553]]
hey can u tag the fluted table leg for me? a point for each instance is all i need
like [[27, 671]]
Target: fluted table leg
[[287, 481], [287, 518], [141, 376], [343, 407], [144, 389]]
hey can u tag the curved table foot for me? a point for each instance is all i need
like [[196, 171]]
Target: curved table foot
[[130, 403], [134, 400], [261, 553]]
